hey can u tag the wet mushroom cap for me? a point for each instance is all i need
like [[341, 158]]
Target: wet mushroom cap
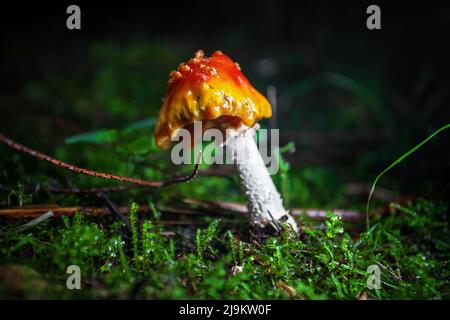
[[208, 88]]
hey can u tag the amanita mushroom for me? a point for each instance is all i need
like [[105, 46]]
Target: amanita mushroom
[[215, 91]]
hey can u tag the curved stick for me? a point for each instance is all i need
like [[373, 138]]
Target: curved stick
[[155, 184]]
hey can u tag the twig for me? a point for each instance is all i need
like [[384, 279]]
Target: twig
[[155, 184], [112, 207], [201, 172], [207, 208], [34, 222], [32, 211], [275, 224], [37, 211], [316, 214], [222, 205], [120, 188]]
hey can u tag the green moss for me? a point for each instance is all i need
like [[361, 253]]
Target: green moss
[[410, 247]]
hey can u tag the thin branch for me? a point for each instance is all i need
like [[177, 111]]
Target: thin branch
[[154, 184], [34, 222], [38, 210], [316, 214], [211, 208], [113, 208]]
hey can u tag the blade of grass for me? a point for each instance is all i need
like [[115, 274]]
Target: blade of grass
[[396, 162]]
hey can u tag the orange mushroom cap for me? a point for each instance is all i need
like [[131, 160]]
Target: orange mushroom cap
[[206, 89]]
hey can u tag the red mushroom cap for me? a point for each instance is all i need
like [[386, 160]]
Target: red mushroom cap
[[206, 89]]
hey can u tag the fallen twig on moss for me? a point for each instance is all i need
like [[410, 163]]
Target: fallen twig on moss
[[216, 208], [35, 211], [317, 214], [34, 222]]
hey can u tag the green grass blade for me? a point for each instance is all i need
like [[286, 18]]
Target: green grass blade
[[396, 162]]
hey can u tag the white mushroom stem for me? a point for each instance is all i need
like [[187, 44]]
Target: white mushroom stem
[[263, 200]]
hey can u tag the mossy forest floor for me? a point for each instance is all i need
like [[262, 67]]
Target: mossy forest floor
[[221, 261]]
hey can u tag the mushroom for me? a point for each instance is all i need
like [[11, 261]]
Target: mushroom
[[213, 90]]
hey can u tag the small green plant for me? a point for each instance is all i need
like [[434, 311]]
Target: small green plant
[[134, 233], [155, 248], [284, 181], [334, 225], [204, 237], [232, 245]]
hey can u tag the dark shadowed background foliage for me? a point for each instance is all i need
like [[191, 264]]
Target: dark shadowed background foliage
[[351, 99]]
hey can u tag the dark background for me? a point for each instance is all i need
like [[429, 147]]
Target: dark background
[[399, 90]]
